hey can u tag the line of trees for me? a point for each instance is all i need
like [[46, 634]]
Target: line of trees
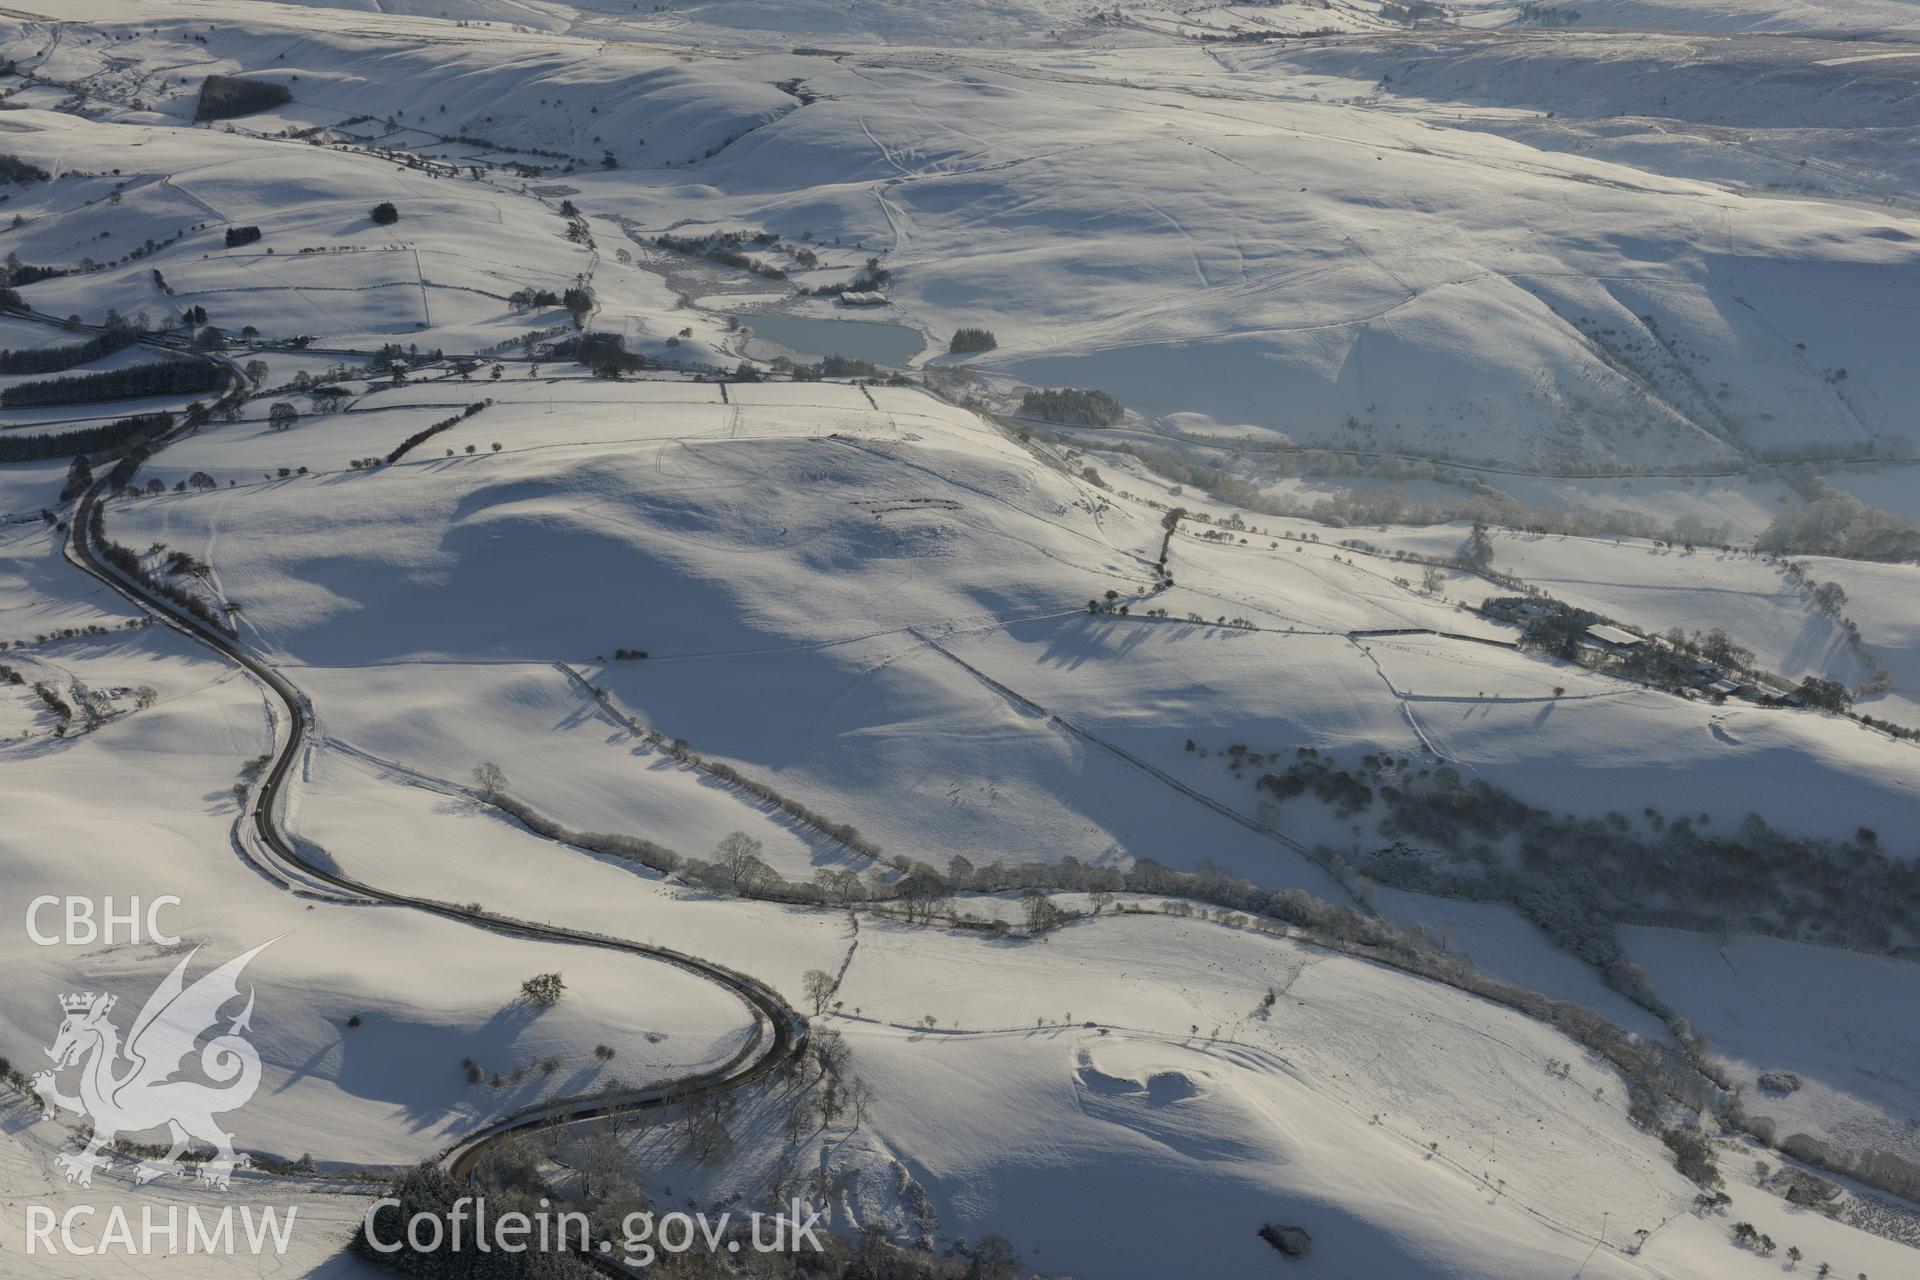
[[1578, 877], [21, 172], [86, 440], [530, 298], [56, 359], [873, 278], [161, 378], [843, 832], [925, 895], [26, 273], [725, 249], [128, 562], [1835, 523], [1393, 505], [421, 437]]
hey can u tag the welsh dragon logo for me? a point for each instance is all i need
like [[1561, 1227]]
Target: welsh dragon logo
[[129, 1088]]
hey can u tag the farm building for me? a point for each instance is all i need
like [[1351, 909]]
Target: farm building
[[1613, 639]]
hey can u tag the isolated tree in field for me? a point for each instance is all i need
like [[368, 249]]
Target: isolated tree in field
[[384, 214], [256, 372], [1478, 553], [1432, 580], [819, 985], [489, 779], [282, 415], [736, 856], [543, 988]]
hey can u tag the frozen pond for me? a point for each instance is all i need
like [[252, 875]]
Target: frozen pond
[[879, 341]]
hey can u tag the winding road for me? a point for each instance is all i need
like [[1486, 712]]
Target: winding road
[[781, 1031]]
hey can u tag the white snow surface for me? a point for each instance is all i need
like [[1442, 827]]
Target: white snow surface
[[1644, 241]]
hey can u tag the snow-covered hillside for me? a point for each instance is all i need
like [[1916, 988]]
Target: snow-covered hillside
[[1305, 264], [602, 601]]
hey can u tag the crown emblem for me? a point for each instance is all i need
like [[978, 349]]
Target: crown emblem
[[78, 1002]]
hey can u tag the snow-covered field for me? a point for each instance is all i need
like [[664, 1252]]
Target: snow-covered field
[[1304, 265], [1643, 264]]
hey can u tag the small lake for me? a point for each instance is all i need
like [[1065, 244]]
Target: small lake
[[879, 341]]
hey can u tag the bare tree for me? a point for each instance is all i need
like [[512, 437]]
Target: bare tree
[[757, 877], [837, 885], [831, 1102], [924, 891], [860, 1098], [829, 1050], [604, 1165], [737, 856], [706, 1128], [489, 779], [797, 1124], [1042, 914], [819, 986]]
